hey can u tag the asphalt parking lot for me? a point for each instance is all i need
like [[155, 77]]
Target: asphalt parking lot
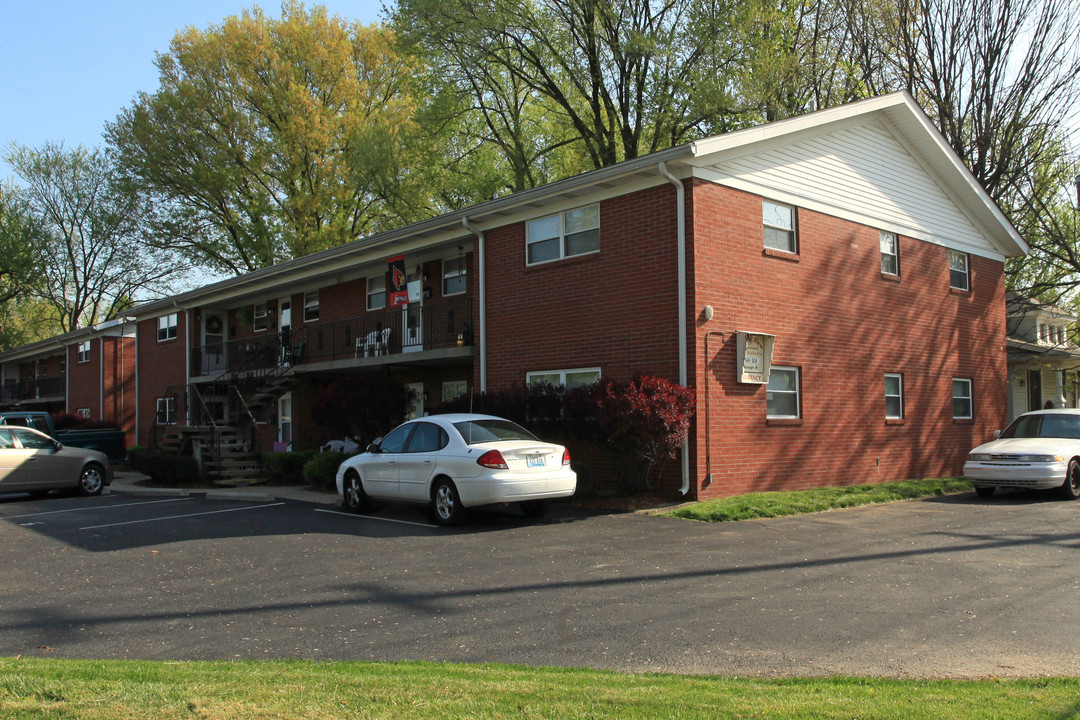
[[955, 586]]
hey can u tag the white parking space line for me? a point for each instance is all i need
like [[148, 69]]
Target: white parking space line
[[179, 517], [372, 517], [95, 507]]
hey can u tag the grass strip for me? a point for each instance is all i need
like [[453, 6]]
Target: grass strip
[[798, 502], [122, 689]]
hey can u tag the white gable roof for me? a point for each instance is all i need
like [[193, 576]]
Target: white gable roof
[[878, 162]]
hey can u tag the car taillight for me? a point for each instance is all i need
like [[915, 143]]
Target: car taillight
[[492, 459], [565, 456]]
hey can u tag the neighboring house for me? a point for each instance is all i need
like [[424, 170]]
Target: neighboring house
[[831, 285], [1043, 360]]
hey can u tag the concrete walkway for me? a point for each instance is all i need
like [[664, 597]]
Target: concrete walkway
[[127, 483]]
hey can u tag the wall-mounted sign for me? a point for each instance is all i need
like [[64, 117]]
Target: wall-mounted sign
[[399, 282], [754, 357]]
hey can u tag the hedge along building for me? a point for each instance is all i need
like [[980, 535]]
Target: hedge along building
[[831, 285]]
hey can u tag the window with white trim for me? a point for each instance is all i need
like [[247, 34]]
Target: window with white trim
[[890, 253], [260, 315], [376, 292], [779, 223], [82, 352], [311, 306], [894, 396], [782, 393], [453, 276], [570, 233], [958, 270], [452, 389], [166, 410], [166, 327], [83, 413], [961, 399], [570, 378]]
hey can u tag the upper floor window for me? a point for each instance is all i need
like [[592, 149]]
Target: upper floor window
[[894, 396], [43, 367], [260, 317], [570, 378], [82, 352], [961, 398], [62, 364], [376, 292], [782, 393], [779, 226], [890, 253], [311, 306], [453, 276], [958, 270], [574, 232], [166, 327]]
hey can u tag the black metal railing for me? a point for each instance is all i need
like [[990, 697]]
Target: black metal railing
[[14, 391]]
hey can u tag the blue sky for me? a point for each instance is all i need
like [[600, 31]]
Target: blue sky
[[67, 68]]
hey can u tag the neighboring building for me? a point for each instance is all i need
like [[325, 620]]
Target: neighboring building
[[831, 285], [1043, 360]]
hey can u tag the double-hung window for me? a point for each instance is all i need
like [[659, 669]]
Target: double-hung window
[[453, 276], [890, 253], [569, 378], [166, 410], [376, 292], [779, 226], [782, 393], [260, 317], [166, 327], [452, 389], [958, 270], [894, 396], [574, 232], [961, 399], [311, 306], [82, 352]]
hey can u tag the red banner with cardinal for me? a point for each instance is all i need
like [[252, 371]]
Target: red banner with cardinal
[[399, 282]]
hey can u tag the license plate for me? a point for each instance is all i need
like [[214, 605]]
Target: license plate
[[534, 461]]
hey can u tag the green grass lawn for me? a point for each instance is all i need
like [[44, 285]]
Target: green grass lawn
[[119, 690], [797, 502]]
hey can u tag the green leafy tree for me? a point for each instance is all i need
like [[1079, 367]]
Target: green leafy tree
[[250, 146], [20, 238]]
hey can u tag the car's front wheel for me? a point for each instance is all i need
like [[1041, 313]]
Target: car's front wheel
[[446, 505], [353, 491], [92, 480], [1070, 489]]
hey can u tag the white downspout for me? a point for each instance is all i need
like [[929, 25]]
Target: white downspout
[[680, 199], [481, 334]]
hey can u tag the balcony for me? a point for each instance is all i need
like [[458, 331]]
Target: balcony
[[374, 335], [14, 392]]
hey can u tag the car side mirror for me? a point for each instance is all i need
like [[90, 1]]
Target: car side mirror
[[373, 447], [57, 445]]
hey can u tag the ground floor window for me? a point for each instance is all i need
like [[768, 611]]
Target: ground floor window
[[166, 410], [452, 389], [782, 393], [83, 413], [570, 378], [894, 396], [961, 398]]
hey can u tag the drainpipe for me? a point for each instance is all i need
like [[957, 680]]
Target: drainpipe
[[481, 334], [680, 199]]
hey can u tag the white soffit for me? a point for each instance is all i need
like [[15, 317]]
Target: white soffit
[[878, 162]]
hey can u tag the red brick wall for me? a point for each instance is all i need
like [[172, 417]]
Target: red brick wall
[[614, 309], [161, 366], [844, 325], [119, 384], [84, 380]]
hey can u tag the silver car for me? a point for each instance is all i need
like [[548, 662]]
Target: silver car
[[33, 462], [1039, 450]]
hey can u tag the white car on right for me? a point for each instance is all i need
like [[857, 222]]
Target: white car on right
[[1039, 450]]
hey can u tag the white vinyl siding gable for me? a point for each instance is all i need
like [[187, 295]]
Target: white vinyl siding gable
[[860, 173]]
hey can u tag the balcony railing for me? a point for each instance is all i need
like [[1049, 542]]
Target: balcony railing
[[22, 390], [392, 331]]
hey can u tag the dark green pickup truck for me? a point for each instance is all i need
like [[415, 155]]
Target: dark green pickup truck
[[111, 442]]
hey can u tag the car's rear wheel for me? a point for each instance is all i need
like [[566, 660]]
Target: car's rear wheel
[[535, 508], [92, 480], [984, 491], [446, 504], [353, 491], [1070, 489]]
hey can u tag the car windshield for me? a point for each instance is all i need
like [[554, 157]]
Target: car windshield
[[484, 431], [1044, 426]]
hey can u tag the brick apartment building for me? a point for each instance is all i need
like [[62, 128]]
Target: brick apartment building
[[831, 286]]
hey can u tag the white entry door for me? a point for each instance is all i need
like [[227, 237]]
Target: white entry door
[[284, 422]]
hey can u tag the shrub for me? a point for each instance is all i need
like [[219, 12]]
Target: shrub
[[362, 407], [286, 468], [68, 421], [165, 468], [321, 469]]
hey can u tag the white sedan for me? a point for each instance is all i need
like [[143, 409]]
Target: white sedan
[[1039, 449], [454, 462]]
